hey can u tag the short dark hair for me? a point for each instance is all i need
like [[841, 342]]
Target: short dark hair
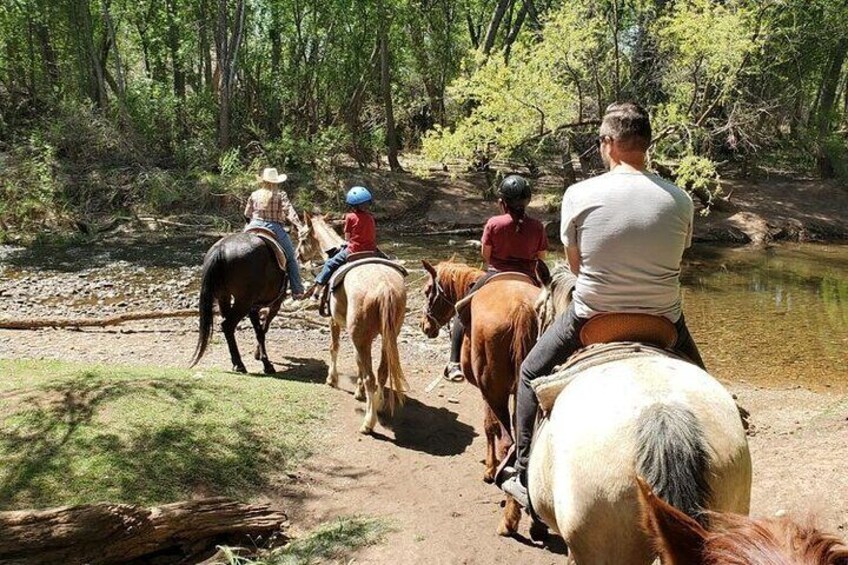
[[627, 123]]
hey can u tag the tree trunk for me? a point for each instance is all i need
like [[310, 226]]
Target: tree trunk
[[174, 48], [120, 83], [830, 83], [392, 144], [495, 24], [227, 45], [120, 533]]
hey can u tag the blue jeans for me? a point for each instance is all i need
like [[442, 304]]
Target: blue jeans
[[292, 267], [331, 264]]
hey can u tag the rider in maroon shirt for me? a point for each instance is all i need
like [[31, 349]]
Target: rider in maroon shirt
[[512, 241]]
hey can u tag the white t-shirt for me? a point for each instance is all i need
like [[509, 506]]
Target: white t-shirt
[[631, 229]]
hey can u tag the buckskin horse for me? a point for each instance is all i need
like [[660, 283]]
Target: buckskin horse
[[645, 412], [241, 274], [501, 332], [370, 301]]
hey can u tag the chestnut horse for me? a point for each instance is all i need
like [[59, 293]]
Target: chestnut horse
[[733, 539], [371, 301], [502, 331]]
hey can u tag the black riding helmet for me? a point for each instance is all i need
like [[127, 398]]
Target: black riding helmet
[[515, 190]]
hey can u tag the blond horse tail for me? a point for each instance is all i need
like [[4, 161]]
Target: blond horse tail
[[392, 307]]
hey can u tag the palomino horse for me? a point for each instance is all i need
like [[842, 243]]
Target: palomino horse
[[241, 273], [371, 301], [650, 414], [732, 539], [502, 331]]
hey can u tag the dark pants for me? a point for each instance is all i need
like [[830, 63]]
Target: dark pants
[[458, 328], [556, 345]]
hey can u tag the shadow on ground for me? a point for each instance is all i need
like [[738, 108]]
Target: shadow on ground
[[428, 429], [90, 438]]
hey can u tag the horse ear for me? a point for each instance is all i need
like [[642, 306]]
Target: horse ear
[[543, 273], [678, 539], [429, 268]]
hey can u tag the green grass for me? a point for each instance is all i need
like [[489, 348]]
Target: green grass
[[333, 542], [73, 434]]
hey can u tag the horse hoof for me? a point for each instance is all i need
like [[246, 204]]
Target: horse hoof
[[269, 370], [359, 395], [365, 430], [239, 369], [331, 383], [505, 530], [539, 532], [489, 476]]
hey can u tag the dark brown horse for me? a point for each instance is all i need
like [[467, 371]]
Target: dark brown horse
[[734, 539], [241, 273], [502, 331]]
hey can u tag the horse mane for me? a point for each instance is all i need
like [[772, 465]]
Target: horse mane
[[554, 298], [739, 540], [457, 278]]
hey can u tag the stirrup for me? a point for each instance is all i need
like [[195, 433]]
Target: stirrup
[[506, 467]]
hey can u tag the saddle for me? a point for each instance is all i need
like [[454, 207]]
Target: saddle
[[270, 238], [353, 261], [607, 338], [463, 305]]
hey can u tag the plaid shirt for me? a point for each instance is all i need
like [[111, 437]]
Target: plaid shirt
[[271, 206]]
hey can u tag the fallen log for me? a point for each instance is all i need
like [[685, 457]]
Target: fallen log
[[35, 323], [118, 533], [38, 323]]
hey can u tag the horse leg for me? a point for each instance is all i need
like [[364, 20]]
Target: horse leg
[[383, 370], [335, 335], [260, 339], [232, 317], [366, 377], [490, 425]]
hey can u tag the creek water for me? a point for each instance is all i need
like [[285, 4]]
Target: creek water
[[770, 317]]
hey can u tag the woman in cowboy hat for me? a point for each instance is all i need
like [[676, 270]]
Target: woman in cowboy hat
[[269, 207]]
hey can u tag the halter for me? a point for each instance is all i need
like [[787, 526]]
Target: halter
[[439, 295]]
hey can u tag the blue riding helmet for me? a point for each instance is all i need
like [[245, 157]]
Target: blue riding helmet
[[358, 195]]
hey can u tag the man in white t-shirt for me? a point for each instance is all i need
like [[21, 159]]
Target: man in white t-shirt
[[624, 234]]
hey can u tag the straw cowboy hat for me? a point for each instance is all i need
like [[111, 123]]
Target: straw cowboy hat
[[271, 175]]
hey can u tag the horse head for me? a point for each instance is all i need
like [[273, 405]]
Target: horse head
[[309, 244], [556, 294], [733, 539], [438, 309]]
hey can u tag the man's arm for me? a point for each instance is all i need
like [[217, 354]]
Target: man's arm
[[573, 256]]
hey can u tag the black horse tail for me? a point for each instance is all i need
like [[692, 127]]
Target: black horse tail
[[672, 457], [212, 269]]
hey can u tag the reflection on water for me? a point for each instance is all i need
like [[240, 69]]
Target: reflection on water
[[777, 316], [771, 316]]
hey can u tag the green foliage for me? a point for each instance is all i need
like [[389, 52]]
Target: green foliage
[[72, 434], [333, 542]]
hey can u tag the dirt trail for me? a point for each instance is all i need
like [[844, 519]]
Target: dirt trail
[[423, 471]]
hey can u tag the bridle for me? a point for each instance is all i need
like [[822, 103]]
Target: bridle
[[432, 301]]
